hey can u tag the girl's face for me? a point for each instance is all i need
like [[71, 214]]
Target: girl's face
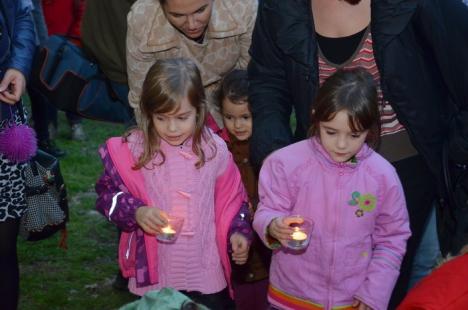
[[340, 142], [178, 125], [237, 119], [191, 17]]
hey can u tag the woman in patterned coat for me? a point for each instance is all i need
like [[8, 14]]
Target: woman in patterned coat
[[216, 35]]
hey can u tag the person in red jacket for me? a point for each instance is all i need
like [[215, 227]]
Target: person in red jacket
[[63, 17], [445, 288]]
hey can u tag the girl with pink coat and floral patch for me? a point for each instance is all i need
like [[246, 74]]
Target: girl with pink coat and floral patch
[[353, 196]]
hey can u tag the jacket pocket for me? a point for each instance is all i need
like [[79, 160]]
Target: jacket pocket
[[127, 253], [356, 261]]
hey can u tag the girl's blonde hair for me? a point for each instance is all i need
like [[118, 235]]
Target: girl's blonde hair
[[166, 84]]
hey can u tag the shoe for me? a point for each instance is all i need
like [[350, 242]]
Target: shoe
[[53, 132], [77, 132], [49, 146], [120, 283]]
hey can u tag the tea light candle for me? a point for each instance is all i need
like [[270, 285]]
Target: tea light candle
[[167, 233], [299, 235], [298, 240]]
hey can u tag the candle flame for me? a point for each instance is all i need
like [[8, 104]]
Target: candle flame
[[168, 230], [299, 235]]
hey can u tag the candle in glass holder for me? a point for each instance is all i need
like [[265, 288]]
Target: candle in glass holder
[[299, 239], [170, 232], [299, 235], [167, 233]]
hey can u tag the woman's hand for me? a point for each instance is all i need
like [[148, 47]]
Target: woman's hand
[[12, 86], [240, 248], [281, 230], [360, 305], [151, 219]]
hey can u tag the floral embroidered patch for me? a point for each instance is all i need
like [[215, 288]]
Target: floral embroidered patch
[[364, 203]]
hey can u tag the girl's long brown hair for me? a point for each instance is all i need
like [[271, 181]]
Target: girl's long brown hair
[[166, 84]]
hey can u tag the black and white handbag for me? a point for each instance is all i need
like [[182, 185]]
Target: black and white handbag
[[46, 197]]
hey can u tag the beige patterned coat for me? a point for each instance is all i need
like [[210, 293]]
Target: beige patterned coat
[[151, 37]]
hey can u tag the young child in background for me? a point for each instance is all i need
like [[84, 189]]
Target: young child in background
[[174, 166], [251, 279], [352, 195]]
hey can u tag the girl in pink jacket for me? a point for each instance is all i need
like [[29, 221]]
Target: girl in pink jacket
[[352, 195], [174, 165]]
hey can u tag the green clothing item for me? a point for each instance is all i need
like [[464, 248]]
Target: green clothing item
[[104, 31], [164, 299]]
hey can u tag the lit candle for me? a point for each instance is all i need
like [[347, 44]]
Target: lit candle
[[299, 235], [167, 233], [168, 230]]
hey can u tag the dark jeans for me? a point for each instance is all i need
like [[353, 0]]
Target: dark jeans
[[216, 301], [44, 113], [121, 91], [9, 271], [420, 189]]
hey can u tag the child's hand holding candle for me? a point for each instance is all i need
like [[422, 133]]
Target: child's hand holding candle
[[151, 219], [170, 232], [302, 228]]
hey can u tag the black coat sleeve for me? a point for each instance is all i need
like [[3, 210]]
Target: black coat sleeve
[[269, 94]]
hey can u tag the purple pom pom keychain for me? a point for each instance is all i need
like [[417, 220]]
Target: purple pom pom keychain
[[18, 142]]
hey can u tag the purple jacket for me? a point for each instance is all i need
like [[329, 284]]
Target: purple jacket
[[360, 224], [121, 191]]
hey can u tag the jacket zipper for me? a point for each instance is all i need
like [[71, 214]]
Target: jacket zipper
[[335, 222]]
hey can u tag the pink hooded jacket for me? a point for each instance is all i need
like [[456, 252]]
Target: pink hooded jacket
[[227, 204], [360, 226]]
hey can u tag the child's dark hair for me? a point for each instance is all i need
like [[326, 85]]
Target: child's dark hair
[[353, 90], [166, 84], [235, 87]]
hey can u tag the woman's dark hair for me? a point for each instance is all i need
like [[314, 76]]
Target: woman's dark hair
[[235, 87], [354, 91]]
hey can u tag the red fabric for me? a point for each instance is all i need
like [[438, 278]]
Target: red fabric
[[211, 123], [63, 17], [445, 288]]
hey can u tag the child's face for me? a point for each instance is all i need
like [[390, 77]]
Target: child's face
[[176, 126], [340, 142], [237, 119]]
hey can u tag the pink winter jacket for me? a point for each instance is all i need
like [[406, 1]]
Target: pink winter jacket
[[360, 225], [229, 196]]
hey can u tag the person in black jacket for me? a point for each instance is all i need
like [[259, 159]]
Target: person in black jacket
[[416, 51]]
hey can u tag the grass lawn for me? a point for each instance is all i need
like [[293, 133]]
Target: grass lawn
[[80, 277]]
